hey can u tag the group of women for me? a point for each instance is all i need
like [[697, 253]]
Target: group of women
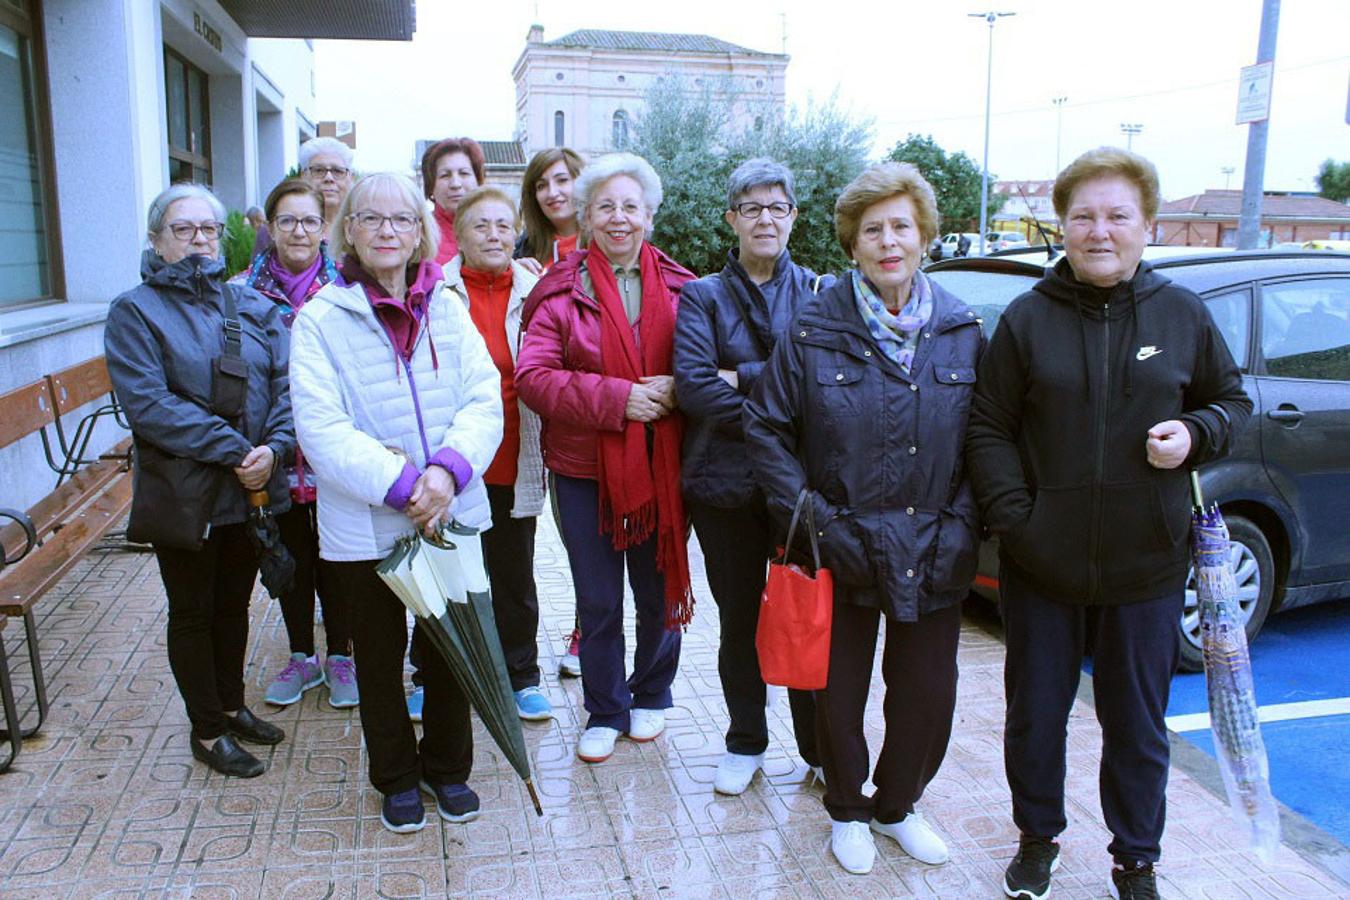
[[441, 364]]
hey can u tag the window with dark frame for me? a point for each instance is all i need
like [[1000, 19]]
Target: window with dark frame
[[558, 120], [187, 97], [30, 269]]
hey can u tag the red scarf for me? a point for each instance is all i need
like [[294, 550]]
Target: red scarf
[[640, 493]]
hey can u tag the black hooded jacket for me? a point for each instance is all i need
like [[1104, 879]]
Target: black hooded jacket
[[1073, 379]]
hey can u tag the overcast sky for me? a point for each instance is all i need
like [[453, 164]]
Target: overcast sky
[[1170, 65]]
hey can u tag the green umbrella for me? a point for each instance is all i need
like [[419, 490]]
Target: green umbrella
[[443, 583]]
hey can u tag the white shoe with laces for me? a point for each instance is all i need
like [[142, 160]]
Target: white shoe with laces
[[646, 724], [916, 837], [597, 744], [852, 845], [736, 771]]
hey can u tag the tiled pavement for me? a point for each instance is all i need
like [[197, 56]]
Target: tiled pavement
[[108, 801]]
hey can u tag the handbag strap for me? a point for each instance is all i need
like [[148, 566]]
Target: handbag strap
[[803, 500], [234, 331]]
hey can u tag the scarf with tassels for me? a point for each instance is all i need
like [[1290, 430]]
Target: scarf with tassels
[[640, 490]]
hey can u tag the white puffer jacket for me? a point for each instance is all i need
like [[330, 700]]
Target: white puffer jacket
[[356, 408], [529, 487]]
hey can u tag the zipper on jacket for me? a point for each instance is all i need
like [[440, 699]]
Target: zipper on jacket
[[1099, 470], [417, 408]]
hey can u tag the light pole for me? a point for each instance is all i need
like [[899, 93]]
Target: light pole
[[991, 17], [1227, 172], [1130, 129], [1059, 126]]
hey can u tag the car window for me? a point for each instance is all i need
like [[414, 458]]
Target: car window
[[987, 293], [1305, 329], [1232, 312]]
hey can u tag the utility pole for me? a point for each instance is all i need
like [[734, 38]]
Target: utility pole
[[1253, 180], [1130, 129], [991, 17], [1059, 126], [783, 18]]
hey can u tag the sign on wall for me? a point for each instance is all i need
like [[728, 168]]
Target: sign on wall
[[1254, 84]]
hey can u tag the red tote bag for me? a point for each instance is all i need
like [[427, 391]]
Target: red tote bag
[[795, 612]]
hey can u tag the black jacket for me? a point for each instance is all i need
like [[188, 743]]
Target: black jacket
[[160, 340], [711, 333], [879, 450], [1074, 378]]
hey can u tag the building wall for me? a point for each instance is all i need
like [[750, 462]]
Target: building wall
[[1211, 232]]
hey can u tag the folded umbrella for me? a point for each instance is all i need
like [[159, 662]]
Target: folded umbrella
[[443, 582], [1228, 677], [276, 566]]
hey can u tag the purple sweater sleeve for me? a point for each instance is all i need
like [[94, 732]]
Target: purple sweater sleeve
[[455, 464], [402, 488]]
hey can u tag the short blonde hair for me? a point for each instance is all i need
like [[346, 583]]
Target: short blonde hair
[[389, 183], [482, 195], [882, 182], [1108, 162]]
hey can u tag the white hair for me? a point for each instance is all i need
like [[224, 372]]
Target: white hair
[[401, 187], [314, 146], [612, 166], [159, 207]]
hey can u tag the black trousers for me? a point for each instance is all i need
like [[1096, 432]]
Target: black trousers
[[508, 554], [380, 633], [300, 533], [918, 665], [1135, 654], [737, 546], [208, 593]]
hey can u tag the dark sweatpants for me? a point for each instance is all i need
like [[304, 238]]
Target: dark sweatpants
[[380, 638], [597, 574], [918, 665], [508, 555], [1136, 649], [300, 533], [208, 593], [737, 546]]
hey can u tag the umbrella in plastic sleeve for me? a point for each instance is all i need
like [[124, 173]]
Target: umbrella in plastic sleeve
[[443, 582], [276, 566], [1228, 677]]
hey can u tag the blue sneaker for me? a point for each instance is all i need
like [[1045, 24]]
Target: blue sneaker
[[402, 813], [532, 705], [455, 802], [300, 674], [415, 700]]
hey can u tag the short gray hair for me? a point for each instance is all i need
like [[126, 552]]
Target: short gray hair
[[612, 166], [760, 172], [402, 187], [314, 146], [159, 207]]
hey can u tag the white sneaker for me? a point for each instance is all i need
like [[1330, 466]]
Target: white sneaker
[[597, 744], [916, 837], [817, 774], [852, 845], [736, 771], [646, 724]]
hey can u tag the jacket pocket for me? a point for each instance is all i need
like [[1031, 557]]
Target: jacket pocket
[[1138, 541], [1052, 546], [958, 387], [841, 391], [957, 554], [842, 549]]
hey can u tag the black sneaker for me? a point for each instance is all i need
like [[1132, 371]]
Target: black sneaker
[[1028, 875], [1133, 881], [455, 802], [402, 813]]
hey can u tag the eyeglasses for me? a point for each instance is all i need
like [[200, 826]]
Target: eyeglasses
[[372, 221], [186, 231], [308, 224], [752, 210], [608, 209], [324, 171]]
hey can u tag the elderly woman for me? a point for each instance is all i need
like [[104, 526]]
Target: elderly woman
[[164, 340], [595, 363], [450, 169], [1102, 386], [326, 163], [494, 288], [291, 270], [861, 413], [727, 326], [400, 414]]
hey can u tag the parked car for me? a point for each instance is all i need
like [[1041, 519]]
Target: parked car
[[1285, 488], [994, 241], [952, 241]]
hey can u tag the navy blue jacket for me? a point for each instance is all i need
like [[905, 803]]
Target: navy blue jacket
[[880, 451], [711, 333]]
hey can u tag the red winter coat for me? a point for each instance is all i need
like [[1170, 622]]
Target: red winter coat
[[558, 370]]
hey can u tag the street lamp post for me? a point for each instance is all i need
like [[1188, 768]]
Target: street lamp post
[[991, 17], [1059, 126], [1130, 129]]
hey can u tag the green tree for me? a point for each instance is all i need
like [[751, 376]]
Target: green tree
[[688, 137], [955, 178], [1333, 181]]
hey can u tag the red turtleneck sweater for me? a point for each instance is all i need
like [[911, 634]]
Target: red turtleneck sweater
[[449, 246], [489, 296]]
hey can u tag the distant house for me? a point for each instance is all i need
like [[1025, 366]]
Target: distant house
[[1026, 203], [583, 90], [1211, 219]]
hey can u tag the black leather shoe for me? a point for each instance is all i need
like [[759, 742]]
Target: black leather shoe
[[248, 727], [228, 758]]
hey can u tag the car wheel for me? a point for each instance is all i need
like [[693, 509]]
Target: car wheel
[[1254, 575]]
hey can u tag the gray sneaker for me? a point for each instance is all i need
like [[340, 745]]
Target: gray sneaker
[[300, 674], [339, 672]]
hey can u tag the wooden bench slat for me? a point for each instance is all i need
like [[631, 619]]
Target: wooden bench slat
[[24, 411], [80, 384], [24, 582], [57, 506]]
